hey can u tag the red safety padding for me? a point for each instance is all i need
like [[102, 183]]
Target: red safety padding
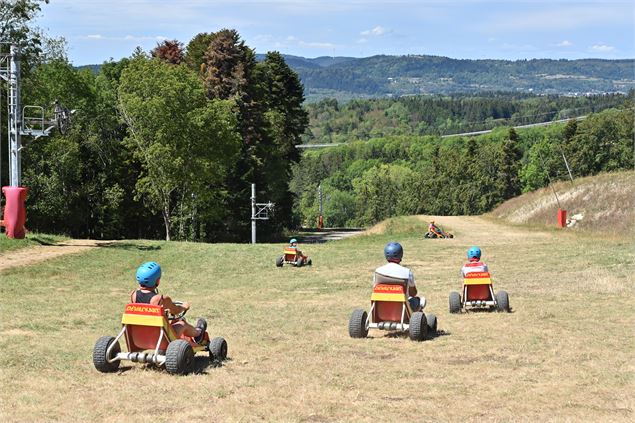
[[387, 311], [478, 292], [15, 211]]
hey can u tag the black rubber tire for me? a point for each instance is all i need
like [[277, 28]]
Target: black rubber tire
[[431, 320], [418, 326], [357, 324], [99, 355], [309, 262], [279, 261], [502, 301], [451, 236], [426, 235], [455, 302], [299, 263], [217, 349], [179, 357]]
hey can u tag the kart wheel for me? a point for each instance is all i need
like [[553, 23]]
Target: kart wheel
[[451, 236], [502, 301], [426, 235], [217, 349], [357, 324], [431, 319], [309, 262], [299, 263], [418, 326], [100, 360], [179, 357], [279, 261], [455, 302]]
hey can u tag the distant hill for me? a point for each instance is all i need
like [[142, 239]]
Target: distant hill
[[346, 78], [605, 203]]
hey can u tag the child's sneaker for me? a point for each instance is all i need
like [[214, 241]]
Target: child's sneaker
[[202, 325]]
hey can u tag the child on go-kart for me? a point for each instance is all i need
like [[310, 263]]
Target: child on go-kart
[[393, 251], [293, 244], [474, 264], [149, 276]]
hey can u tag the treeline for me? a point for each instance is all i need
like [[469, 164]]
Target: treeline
[[330, 121], [365, 182], [164, 144], [420, 74]]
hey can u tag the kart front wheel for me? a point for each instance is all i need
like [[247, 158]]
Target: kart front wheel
[[418, 326], [431, 320], [100, 357], [502, 301], [218, 349], [455, 302], [279, 261], [179, 357], [357, 324]]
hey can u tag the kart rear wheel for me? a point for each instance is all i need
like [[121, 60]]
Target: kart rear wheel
[[299, 263], [502, 301], [279, 261], [426, 235], [217, 349], [100, 360], [179, 357], [357, 324], [431, 319], [455, 302], [418, 326]]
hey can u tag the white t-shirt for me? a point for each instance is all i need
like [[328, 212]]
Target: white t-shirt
[[394, 270], [473, 267]]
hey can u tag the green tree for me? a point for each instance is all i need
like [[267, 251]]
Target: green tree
[[184, 142]]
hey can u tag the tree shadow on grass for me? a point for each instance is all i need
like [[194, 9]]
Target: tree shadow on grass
[[130, 246]]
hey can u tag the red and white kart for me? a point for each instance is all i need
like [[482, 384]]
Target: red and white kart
[[478, 292], [293, 257], [151, 339], [390, 310]]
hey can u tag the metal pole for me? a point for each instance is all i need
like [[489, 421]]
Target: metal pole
[[14, 117], [253, 213], [567, 165]]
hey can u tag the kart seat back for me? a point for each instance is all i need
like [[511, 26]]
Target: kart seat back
[[478, 286], [389, 299], [144, 324], [290, 254]]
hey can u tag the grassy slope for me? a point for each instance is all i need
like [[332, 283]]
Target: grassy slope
[[607, 202], [31, 239], [564, 354]]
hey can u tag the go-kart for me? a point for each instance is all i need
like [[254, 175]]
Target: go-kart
[[293, 257], [436, 232], [390, 310], [478, 292], [151, 339]]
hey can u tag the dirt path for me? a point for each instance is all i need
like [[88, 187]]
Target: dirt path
[[325, 235], [36, 254]]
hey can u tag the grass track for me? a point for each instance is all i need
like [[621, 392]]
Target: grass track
[[564, 354]]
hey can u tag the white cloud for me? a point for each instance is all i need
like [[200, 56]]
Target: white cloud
[[362, 40], [564, 43], [602, 48], [378, 31], [124, 38]]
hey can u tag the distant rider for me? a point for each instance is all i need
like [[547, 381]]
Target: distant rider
[[394, 253], [474, 264], [149, 277]]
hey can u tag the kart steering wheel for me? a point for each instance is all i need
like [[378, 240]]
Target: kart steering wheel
[[177, 316]]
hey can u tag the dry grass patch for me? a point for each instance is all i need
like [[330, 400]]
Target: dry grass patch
[[564, 354]]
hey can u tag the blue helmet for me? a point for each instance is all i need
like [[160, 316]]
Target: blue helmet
[[148, 274], [293, 240], [393, 251], [474, 253]]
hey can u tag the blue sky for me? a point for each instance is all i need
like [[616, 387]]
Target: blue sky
[[97, 30]]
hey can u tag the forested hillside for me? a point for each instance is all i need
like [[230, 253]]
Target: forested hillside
[[330, 121], [377, 76], [367, 181]]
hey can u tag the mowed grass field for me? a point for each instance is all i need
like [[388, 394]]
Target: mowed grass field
[[565, 353]]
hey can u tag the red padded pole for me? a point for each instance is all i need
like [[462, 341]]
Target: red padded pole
[[562, 218], [15, 211]]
